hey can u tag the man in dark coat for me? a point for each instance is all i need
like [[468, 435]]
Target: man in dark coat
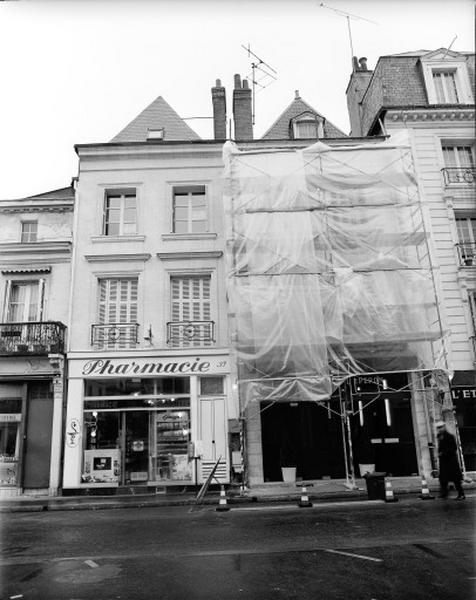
[[449, 464]]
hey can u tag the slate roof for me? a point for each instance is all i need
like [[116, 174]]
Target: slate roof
[[279, 130], [157, 115], [61, 193]]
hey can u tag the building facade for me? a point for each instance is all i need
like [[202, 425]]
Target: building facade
[[35, 256], [430, 95], [150, 399]]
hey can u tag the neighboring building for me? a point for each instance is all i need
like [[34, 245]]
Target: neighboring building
[[35, 256], [431, 96]]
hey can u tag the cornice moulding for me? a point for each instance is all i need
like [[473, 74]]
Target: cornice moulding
[[117, 257], [189, 255]]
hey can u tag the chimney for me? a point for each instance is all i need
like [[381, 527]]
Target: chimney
[[219, 111], [242, 110], [359, 81]]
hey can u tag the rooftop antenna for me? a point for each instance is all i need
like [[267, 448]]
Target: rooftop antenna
[[268, 74], [348, 16], [449, 47]]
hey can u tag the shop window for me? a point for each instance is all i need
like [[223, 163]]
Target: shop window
[[190, 209], [10, 420], [120, 213], [211, 386], [29, 231]]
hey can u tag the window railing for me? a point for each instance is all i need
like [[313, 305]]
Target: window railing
[[466, 175], [114, 336], [40, 338], [183, 334], [467, 254]]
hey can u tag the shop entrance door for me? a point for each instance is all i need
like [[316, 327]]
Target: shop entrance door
[[136, 447], [383, 435], [37, 448]]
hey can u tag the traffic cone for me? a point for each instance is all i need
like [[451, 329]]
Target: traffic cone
[[389, 496], [425, 491], [222, 503], [304, 502]]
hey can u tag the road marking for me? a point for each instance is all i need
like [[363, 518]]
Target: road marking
[[354, 555], [17, 596], [91, 564]]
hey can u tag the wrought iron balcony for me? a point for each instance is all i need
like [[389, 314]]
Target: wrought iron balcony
[[465, 175], [185, 334], [467, 254], [32, 338], [114, 336]]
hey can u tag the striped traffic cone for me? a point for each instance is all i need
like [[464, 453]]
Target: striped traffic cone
[[222, 503], [425, 491], [389, 495], [304, 502]]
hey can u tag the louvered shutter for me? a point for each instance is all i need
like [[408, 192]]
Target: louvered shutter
[[117, 305], [191, 303]]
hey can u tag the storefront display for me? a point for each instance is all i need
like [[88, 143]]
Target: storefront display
[[135, 426]]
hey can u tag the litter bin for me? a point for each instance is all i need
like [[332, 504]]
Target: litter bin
[[375, 485]]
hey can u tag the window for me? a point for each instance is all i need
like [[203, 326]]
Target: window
[[29, 231], [307, 126], [191, 311], [120, 213], [117, 313], [466, 228], [445, 87], [24, 301], [190, 214], [446, 78], [458, 155]]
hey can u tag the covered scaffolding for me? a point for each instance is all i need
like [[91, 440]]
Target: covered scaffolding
[[329, 270]]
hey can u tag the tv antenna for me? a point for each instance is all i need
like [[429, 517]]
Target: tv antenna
[[266, 73], [348, 16]]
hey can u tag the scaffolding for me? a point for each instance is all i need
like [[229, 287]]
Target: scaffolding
[[329, 270]]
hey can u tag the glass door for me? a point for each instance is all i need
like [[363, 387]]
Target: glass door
[[136, 447]]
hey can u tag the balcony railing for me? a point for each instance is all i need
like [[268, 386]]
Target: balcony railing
[[467, 254], [40, 338], [186, 334], [114, 336], [465, 175]]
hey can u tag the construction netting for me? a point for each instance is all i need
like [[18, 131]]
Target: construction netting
[[329, 271]]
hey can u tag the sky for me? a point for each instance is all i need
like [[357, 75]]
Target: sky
[[77, 71]]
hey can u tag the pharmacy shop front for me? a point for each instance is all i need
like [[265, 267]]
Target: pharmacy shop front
[[148, 421]]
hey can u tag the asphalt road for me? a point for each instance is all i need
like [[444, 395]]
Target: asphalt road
[[409, 550]]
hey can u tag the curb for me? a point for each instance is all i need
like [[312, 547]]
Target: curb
[[65, 505]]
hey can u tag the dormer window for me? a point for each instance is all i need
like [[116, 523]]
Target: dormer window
[[307, 126], [446, 78], [156, 134]]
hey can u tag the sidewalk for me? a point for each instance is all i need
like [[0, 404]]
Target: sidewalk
[[318, 490]]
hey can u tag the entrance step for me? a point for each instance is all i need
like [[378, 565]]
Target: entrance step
[[140, 490]]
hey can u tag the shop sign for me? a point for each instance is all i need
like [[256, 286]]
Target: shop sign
[[105, 367], [73, 431], [9, 418], [461, 393]]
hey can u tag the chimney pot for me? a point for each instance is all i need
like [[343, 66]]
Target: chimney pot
[[237, 82], [218, 83], [245, 84], [363, 63], [296, 94]]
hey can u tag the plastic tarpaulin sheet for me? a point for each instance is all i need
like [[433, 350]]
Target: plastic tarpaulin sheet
[[329, 273]]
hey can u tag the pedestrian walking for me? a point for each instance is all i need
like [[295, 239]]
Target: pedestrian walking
[[449, 464]]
